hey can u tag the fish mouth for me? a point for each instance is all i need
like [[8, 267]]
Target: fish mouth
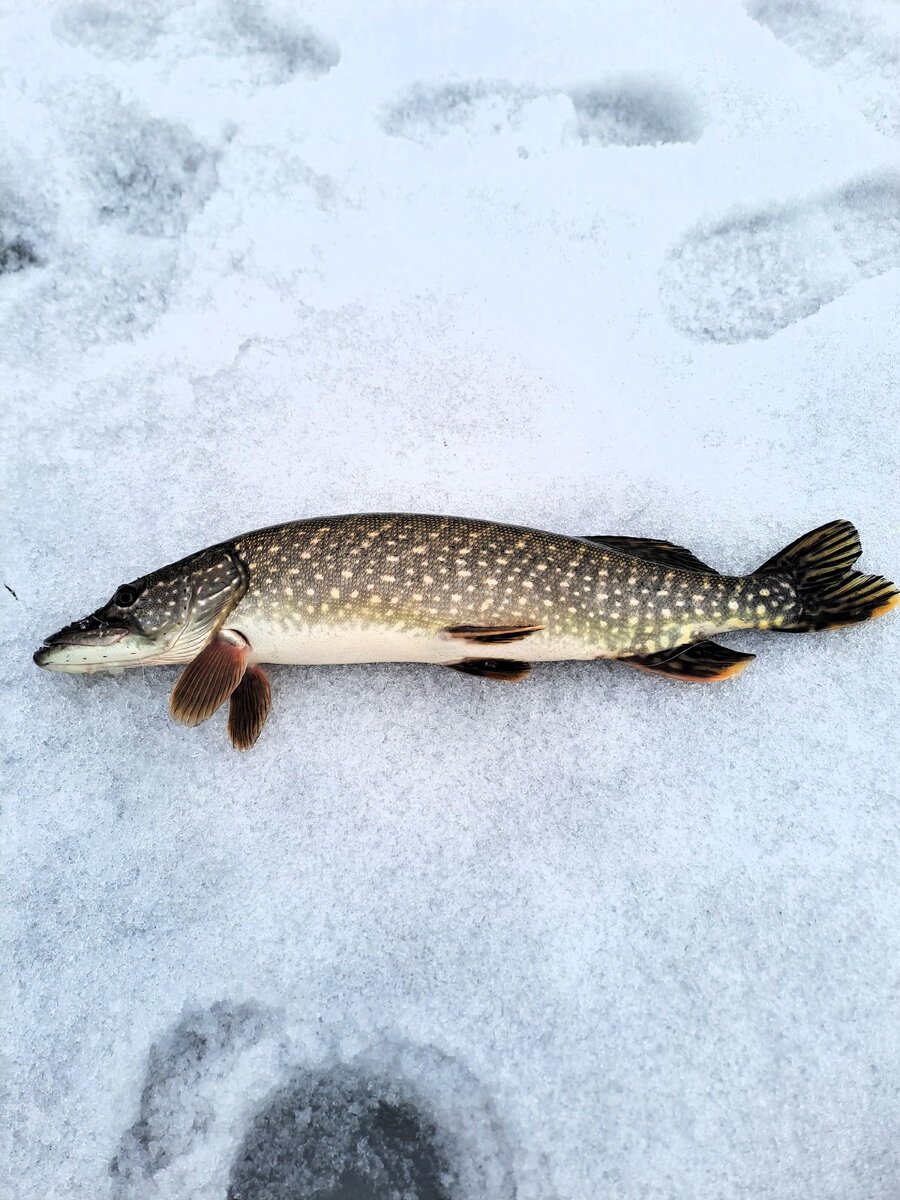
[[90, 633]]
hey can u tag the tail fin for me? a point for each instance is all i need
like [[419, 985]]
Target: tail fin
[[830, 593]]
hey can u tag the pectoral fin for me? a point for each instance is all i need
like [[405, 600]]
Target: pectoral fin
[[207, 682], [248, 708], [505, 670], [490, 635], [699, 662], [667, 554]]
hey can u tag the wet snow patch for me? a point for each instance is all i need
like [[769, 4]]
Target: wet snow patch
[[342, 1134]]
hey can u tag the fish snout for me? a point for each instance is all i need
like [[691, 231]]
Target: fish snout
[[55, 652]]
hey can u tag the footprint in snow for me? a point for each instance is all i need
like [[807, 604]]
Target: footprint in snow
[[755, 272], [633, 112], [857, 45], [21, 234], [275, 47], [188, 1072], [147, 175], [226, 1109]]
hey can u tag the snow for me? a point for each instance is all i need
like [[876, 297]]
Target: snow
[[593, 267]]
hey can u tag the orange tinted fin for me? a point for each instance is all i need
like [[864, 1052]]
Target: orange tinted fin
[[700, 662], [667, 554], [208, 681], [890, 602], [830, 593], [505, 670], [490, 635], [250, 704]]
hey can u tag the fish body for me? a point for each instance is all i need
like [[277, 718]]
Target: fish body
[[386, 588], [482, 597]]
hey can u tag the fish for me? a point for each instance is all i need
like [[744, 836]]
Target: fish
[[483, 598]]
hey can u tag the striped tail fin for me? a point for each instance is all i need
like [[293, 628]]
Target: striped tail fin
[[831, 594]]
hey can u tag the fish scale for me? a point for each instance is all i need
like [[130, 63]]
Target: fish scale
[[484, 598]]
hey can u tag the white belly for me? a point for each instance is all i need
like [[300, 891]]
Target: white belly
[[346, 644]]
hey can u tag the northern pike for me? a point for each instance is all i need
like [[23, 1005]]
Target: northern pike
[[484, 598]]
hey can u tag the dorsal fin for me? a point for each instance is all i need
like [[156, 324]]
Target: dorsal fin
[[667, 554], [697, 662]]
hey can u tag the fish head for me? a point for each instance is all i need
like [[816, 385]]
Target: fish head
[[165, 617]]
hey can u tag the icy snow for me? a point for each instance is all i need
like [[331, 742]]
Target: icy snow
[[596, 267]]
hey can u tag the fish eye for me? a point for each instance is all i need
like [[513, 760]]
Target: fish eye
[[125, 596]]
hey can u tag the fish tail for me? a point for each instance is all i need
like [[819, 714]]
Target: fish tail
[[830, 593]]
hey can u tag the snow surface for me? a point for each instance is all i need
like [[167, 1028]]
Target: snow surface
[[597, 267]]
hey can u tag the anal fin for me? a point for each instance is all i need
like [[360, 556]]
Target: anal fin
[[490, 635], [667, 554], [250, 704], [699, 662], [209, 679], [504, 670]]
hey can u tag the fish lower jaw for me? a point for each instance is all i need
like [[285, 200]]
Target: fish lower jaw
[[74, 668]]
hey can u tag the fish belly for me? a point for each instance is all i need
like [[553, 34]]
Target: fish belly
[[359, 643]]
